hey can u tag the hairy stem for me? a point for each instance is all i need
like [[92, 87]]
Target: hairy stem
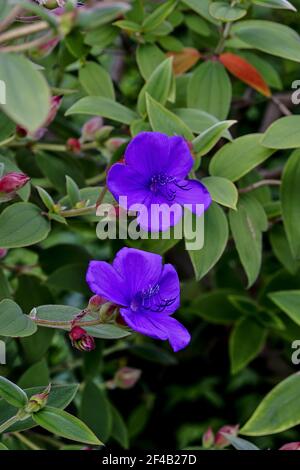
[[259, 184], [28, 45], [7, 424], [26, 441], [23, 31]]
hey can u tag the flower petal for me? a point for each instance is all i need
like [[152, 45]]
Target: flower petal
[[159, 215], [148, 153], [123, 180], [158, 326], [138, 268], [170, 288], [180, 159], [104, 280], [193, 193]]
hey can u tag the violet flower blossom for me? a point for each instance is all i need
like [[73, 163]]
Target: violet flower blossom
[[155, 175], [146, 291]]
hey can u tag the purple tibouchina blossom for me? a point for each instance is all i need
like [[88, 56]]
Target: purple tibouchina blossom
[[146, 291], [155, 175]]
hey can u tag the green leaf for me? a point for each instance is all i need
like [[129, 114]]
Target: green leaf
[[197, 24], [278, 411], [290, 202], [99, 419], [160, 13], [222, 191], [158, 85], [246, 342], [73, 191], [36, 375], [22, 224], [67, 313], [104, 107], [239, 443], [27, 92], [13, 322], [63, 424], [289, 302], [148, 57], [283, 133], [272, 38], [215, 222], [281, 4], [60, 397], [12, 394], [198, 121], [209, 138], [222, 11], [46, 198], [7, 127], [119, 430], [3, 447], [96, 80], [282, 250], [163, 120], [104, 14], [202, 8], [210, 89], [247, 224], [237, 158], [215, 307]]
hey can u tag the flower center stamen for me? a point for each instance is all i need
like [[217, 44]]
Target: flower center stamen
[[150, 299], [167, 186]]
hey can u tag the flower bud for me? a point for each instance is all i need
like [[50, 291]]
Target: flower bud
[[51, 4], [125, 378], [208, 438], [114, 143], [104, 133], [96, 302], [12, 182], [291, 446], [38, 401], [73, 145], [91, 129], [54, 107], [3, 253], [81, 340], [220, 440]]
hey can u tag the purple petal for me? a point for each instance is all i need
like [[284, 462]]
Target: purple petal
[[148, 153], [123, 180], [180, 159], [104, 280], [193, 192], [158, 326], [138, 268], [160, 215], [170, 288]]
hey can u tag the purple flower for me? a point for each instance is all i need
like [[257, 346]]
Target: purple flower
[[146, 291], [155, 174]]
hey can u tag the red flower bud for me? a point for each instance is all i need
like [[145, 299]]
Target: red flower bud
[[91, 128], [73, 145], [54, 107], [220, 440], [81, 340], [291, 446], [3, 253], [96, 302], [12, 182], [208, 438], [38, 401], [125, 378], [114, 143]]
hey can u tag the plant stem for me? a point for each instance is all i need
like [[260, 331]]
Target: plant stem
[[285, 111], [259, 184], [23, 31], [77, 212], [7, 424], [65, 324], [16, 11], [225, 34], [28, 45], [26, 441]]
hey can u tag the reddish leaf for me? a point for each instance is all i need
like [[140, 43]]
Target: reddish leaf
[[184, 60], [241, 69]]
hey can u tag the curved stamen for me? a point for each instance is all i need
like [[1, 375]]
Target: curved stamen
[[166, 185], [152, 300]]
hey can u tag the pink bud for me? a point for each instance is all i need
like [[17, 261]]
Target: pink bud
[[3, 253], [73, 145], [291, 446], [208, 438], [90, 128], [54, 107], [220, 440], [125, 378], [96, 302], [45, 49], [81, 340], [114, 143], [12, 182], [38, 401]]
